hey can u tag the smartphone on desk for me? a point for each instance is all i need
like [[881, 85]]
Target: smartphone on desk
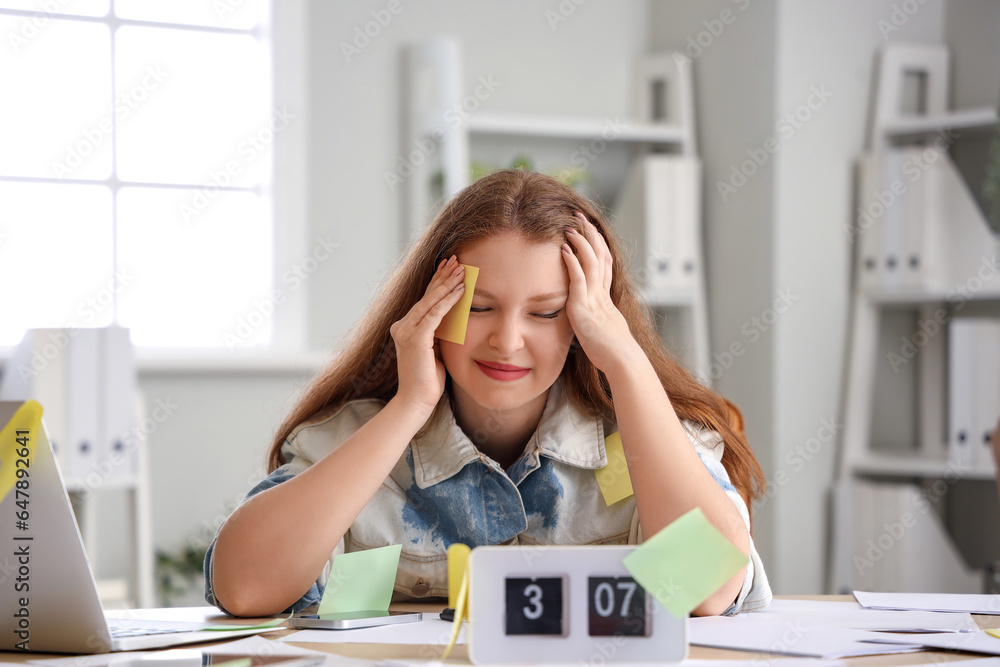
[[348, 620], [197, 658]]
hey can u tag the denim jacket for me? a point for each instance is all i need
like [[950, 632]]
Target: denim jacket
[[444, 490]]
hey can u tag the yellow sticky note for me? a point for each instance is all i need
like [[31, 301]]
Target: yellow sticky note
[[994, 631], [455, 321], [17, 443], [683, 564], [613, 478], [458, 557], [361, 580]]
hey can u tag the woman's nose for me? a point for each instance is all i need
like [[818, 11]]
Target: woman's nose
[[507, 337]]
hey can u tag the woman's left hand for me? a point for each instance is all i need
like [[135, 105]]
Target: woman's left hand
[[599, 326]]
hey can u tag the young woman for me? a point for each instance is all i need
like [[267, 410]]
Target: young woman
[[407, 439]]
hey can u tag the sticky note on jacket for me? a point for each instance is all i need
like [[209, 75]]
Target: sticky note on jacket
[[456, 320], [613, 478]]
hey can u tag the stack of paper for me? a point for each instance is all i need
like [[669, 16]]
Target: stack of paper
[[763, 633], [945, 602], [856, 617]]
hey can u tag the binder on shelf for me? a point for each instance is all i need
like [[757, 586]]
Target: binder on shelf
[[85, 379], [118, 456], [891, 195], [966, 234], [924, 260], [38, 370], [868, 227], [987, 389], [962, 402], [884, 517], [83, 399], [660, 207]]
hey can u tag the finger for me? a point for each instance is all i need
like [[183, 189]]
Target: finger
[[432, 320], [439, 289], [441, 273], [586, 257], [577, 278], [601, 250]]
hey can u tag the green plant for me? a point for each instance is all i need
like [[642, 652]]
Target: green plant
[[177, 572]]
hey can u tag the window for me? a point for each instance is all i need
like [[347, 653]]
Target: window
[[135, 169]]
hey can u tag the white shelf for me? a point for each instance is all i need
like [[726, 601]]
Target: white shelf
[[877, 485], [983, 117], [675, 298], [896, 465], [107, 483], [228, 362], [572, 127], [917, 297]]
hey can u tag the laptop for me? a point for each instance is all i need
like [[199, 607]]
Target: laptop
[[48, 596]]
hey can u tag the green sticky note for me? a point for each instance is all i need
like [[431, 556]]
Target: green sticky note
[[273, 623], [683, 564], [613, 478], [361, 580]]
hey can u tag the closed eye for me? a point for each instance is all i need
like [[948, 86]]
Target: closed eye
[[545, 316]]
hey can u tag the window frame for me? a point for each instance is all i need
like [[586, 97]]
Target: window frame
[[284, 30]]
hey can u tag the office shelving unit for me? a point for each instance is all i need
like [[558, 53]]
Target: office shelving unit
[[884, 533], [440, 135], [84, 379]]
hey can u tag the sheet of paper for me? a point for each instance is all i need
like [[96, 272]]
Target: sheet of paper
[[361, 580], [950, 602], [613, 478], [764, 634], [685, 563], [853, 615], [691, 662], [973, 642], [455, 321], [430, 631], [246, 646]]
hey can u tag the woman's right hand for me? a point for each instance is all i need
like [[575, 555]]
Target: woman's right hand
[[421, 371]]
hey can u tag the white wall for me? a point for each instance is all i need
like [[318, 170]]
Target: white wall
[[779, 231], [831, 46], [580, 67], [777, 242], [212, 448], [734, 82]]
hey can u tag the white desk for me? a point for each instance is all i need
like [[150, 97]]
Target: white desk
[[460, 655]]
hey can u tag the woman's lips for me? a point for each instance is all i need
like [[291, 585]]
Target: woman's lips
[[499, 371]]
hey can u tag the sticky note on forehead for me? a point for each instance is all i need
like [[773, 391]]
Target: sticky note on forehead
[[456, 320], [683, 564]]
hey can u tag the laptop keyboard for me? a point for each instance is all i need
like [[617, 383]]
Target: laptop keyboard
[[128, 628]]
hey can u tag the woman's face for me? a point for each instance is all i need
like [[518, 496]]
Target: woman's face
[[518, 334]]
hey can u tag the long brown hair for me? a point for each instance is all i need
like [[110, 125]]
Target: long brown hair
[[540, 209]]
